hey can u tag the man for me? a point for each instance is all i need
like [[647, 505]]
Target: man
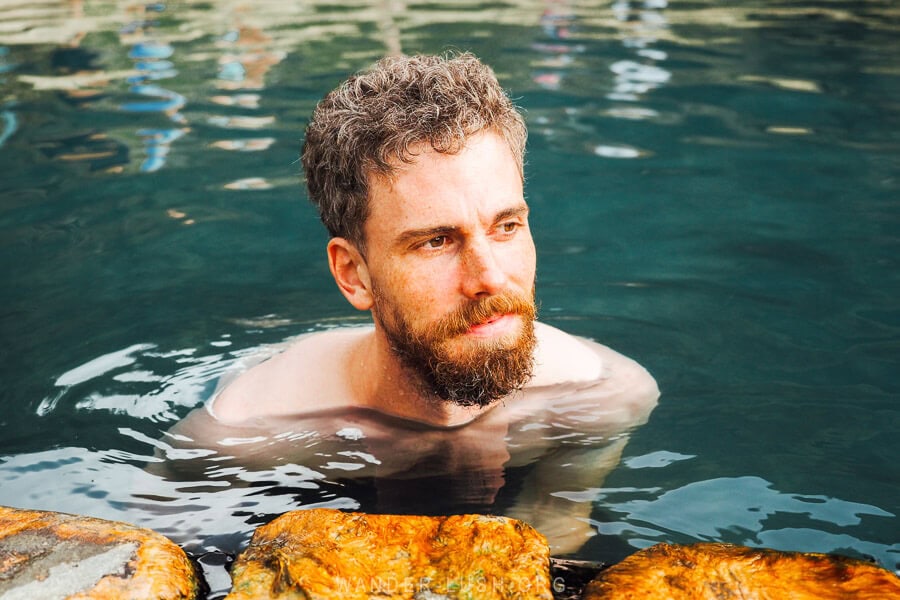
[[416, 168]]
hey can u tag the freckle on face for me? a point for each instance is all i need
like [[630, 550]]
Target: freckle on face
[[465, 191]]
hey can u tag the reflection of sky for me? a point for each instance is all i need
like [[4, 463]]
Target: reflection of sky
[[748, 510], [639, 25], [9, 123], [152, 64], [633, 78], [644, 23]]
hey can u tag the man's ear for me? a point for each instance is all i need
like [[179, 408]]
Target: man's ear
[[350, 272]]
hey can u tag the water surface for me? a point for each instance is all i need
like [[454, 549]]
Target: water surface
[[714, 192]]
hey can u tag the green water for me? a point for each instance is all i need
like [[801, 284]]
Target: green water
[[714, 192]]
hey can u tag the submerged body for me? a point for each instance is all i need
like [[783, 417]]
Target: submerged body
[[513, 459]]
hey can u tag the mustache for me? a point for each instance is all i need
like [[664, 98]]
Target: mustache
[[478, 311]]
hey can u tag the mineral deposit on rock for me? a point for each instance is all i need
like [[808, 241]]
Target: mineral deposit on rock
[[321, 553], [50, 556], [724, 572]]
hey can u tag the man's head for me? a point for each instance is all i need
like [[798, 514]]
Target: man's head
[[375, 119], [416, 168]]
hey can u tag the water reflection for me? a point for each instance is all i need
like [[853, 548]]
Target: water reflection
[[151, 56], [247, 54], [211, 499], [558, 23], [644, 23], [247, 41], [565, 49], [745, 510], [732, 126], [209, 514], [141, 381], [209, 495], [9, 122]]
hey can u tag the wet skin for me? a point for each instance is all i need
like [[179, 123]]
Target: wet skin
[[444, 230]]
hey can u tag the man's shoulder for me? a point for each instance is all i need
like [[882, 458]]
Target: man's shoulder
[[563, 358], [560, 357], [594, 379], [289, 379]]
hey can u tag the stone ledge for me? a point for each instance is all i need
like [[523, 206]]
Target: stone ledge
[[322, 553], [52, 556], [714, 571], [316, 554]]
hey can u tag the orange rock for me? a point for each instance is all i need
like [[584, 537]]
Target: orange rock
[[724, 572], [56, 555], [321, 553]]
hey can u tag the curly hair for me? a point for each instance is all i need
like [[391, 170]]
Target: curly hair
[[378, 117]]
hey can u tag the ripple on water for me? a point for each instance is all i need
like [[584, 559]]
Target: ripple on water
[[747, 510], [143, 382], [619, 151]]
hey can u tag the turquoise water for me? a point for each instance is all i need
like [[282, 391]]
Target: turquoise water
[[714, 192]]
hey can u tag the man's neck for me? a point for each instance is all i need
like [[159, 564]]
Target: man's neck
[[383, 384]]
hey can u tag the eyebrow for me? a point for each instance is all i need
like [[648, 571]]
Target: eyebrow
[[515, 211], [426, 233]]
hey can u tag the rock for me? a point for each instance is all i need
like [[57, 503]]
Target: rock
[[50, 556], [322, 553], [724, 572]]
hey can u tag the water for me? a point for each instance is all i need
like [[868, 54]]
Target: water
[[714, 192]]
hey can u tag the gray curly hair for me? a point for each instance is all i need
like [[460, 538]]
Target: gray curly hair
[[376, 117]]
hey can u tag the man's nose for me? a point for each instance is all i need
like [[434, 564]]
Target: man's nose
[[483, 273]]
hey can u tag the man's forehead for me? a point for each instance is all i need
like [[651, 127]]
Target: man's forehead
[[391, 208], [436, 189]]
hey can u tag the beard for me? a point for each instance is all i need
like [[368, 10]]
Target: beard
[[477, 375]]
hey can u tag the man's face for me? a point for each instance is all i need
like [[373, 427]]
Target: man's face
[[452, 267]]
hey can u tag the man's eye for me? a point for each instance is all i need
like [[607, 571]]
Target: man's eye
[[509, 227], [436, 242]]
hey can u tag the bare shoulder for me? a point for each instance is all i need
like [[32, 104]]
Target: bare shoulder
[[561, 358], [306, 376], [597, 386], [564, 358]]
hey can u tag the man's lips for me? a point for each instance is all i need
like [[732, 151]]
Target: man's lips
[[496, 325]]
